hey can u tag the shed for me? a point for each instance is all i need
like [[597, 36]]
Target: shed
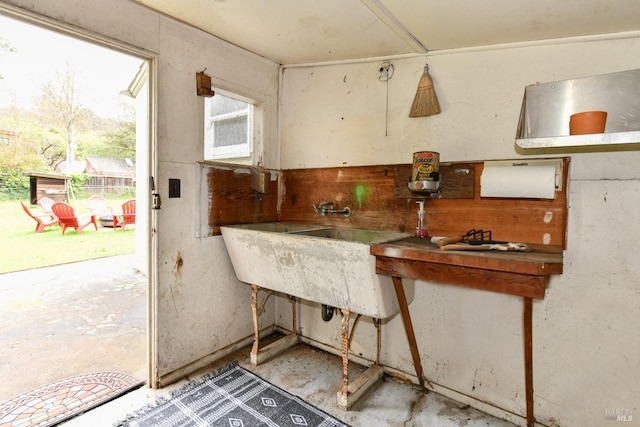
[[110, 175], [49, 185], [106, 175]]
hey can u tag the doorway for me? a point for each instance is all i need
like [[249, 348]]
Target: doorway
[[99, 306]]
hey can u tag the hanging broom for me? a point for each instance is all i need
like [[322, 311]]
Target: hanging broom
[[425, 102]]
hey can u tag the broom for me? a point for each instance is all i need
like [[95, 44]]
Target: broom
[[425, 102]]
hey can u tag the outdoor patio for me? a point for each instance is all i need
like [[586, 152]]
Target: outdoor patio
[[71, 320]]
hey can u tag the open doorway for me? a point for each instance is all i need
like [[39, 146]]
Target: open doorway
[[82, 317]]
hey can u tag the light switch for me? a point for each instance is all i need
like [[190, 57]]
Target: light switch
[[174, 187]]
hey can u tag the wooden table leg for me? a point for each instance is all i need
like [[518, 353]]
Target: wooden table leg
[[408, 328], [528, 357]]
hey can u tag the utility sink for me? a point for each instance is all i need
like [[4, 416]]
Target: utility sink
[[276, 227], [354, 235], [327, 265]]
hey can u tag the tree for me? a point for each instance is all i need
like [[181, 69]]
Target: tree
[[61, 103], [122, 140], [26, 146], [111, 137], [5, 47]]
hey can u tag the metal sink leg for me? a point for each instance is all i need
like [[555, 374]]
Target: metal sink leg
[[257, 308], [348, 394]]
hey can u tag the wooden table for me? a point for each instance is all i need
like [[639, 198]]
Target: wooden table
[[523, 274]]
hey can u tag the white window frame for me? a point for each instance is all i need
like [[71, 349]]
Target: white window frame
[[244, 150]]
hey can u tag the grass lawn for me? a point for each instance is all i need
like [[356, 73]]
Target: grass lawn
[[21, 248]]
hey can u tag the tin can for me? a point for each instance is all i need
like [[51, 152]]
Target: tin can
[[426, 166]]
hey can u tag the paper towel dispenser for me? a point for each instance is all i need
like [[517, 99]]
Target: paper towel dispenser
[[528, 178]]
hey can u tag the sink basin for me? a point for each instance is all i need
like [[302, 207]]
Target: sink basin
[[325, 265], [278, 227], [354, 235]]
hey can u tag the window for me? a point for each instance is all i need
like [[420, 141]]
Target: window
[[228, 129]]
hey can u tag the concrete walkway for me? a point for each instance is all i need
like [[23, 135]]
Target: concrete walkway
[[72, 319]]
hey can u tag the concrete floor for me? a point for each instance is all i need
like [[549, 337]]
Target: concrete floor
[[315, 375], [73, 319], [91, 317]]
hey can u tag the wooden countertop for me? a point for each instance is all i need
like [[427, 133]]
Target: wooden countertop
[[530, 263], [523, 274]]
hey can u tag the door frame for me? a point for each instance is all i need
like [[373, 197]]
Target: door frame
[[146, 157]]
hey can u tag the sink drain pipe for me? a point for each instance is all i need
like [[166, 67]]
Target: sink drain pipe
[[327, 312]]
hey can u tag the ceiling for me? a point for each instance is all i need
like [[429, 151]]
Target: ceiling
[[308, 31]]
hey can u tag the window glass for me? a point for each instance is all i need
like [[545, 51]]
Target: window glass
[[228, 129]]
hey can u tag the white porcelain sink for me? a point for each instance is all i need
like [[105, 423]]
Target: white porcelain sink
[[326, 265]]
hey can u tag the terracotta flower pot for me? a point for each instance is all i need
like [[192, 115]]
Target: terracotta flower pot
[[587, 122]]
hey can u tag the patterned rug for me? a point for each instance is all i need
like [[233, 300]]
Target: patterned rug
[[232, 397], [57, 402]]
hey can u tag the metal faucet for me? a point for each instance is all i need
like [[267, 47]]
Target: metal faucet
[[328, 207]]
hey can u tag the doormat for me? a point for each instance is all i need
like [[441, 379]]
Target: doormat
[[57, 402], [231, 397]]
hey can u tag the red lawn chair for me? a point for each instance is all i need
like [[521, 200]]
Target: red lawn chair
[[128, 215], [42, 220], [69, 219]]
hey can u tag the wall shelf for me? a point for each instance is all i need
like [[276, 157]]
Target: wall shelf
[[614, 138], [546, 108]]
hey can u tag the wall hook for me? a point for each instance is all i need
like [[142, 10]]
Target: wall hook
[[385, 72]]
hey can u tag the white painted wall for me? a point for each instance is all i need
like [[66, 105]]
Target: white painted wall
[[201, 308], [586, 346], [587, 352]]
